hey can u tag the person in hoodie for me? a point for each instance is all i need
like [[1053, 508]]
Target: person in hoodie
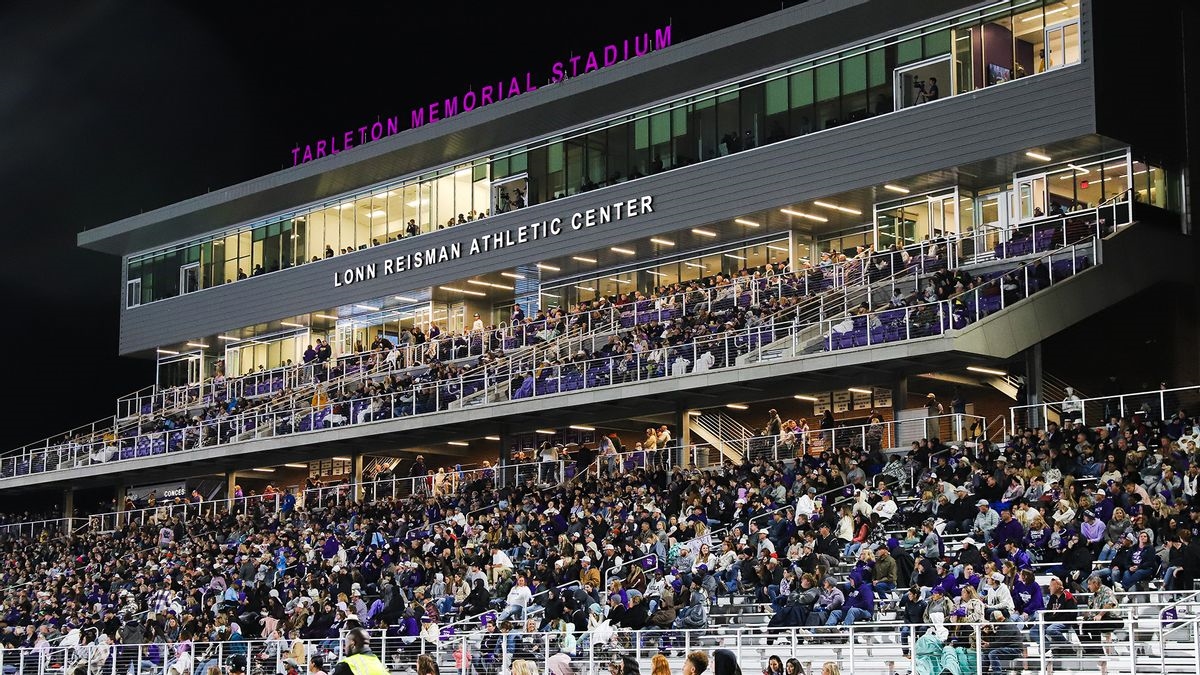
[[830, 599], [1027, 598], [724, 663], [858, 606]]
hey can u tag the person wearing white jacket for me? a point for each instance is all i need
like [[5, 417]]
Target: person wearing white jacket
[[997, 595]]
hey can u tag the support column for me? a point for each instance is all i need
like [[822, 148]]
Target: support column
[[119, 494], [899, 395], [357, 459], [230, 482], [507, 441], [682, 438], [68, 507], [1033, 386]]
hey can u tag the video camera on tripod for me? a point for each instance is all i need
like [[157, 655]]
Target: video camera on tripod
[[922, 94]]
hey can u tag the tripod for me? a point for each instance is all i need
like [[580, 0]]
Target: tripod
[[921, 97]]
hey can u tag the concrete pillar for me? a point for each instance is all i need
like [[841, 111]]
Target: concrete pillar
[[68, 507], [1033, 385], [357, 459], [899, 395], [507, 440], [683, 437], [230, 482], [119, 493]]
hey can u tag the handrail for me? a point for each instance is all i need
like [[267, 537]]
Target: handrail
[[1118, 405]]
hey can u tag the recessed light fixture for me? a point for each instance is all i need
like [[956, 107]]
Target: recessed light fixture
[[548, 295], [548, 432], [858, 390], [476, 282], [326, 316], [197, 344], [265, 470], [583, 259], [369, 308], [461, 444], [655, 274], [618, 249], [896, 188], [289, 324], [696, 265], [621, 281], [737, 406], [800, 214], [1038, 156], [589, 289], [802, 397], [987, 371], [1080, 169], [168, 352], [661, 242], [778, 248], [510, 275], [835, 207], [405, 298], [703, 232], [551, 268], [491, 438], [695, 413], [296, 466], [735, 257], [228, 337], [452, 289], [746, 222], [342, 459], [582, 427]]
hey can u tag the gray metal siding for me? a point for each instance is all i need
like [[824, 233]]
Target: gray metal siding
[[694, 64], [1010, 118]]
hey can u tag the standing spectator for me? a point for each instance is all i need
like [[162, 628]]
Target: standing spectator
[[933, 408]]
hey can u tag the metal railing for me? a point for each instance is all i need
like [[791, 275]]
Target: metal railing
[[1156, 404]]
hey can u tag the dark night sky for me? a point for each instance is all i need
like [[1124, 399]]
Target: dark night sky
[[111, 108]]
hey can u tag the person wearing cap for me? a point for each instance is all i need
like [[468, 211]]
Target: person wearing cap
[[886, 507], [985, 521], [1061, 610], [997, 596], [885, 574], [829, 599]]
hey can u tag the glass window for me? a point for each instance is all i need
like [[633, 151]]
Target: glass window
[[908, 51]]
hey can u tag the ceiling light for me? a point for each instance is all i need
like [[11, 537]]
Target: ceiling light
[[582, 427], [858, 391], [326, 316], [1038, 17], [452, 289], [197, 344], [778, 248], [510, 275], [227, 337], [621, 281], [479, 294], [695, 413], [802, 397], [265, 470], [168, 352], [378, 213], [1080, 169], [548, 432], [843, 209], [655, 274], [792, 212], [548, 295], [289, 324], [404, 298], [696, 265], [747, 223], [737, 406], [341, 459], [735, 257], [703, 233], [583, 259], [896, 188], [369, 308], [296, 466], [618, 249], [1038, 156], [491, 438], [987, 371], [461, 444], [476, 282], [551, 268], [589, 289], [661, 242]]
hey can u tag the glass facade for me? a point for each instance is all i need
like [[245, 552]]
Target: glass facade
[[985, 47]]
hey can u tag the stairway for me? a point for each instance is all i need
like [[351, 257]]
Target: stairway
[[722, 432]]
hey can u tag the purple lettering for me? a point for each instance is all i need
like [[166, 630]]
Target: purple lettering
[[486, 96], [662, 37], [514, 88], [450, 107], [418, 118], [639, 48], [308, 153], [575, 65], [610, 55], [362, 134], [529, 86], [626, 49], [556, 72], [377, 131], [348, 140], [321, 148], [591, 64], [393, 125], [434, 110], [468, 101], [295, 155], [500, 90]]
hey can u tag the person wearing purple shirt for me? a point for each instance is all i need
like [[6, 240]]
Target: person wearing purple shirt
[[1092, 529], [1038, 539], [859, 606], [1009, 529], [1104, 506], [1027, 598], [949, 582], [1012, 551]]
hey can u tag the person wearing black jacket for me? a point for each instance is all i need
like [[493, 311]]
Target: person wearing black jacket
[[969, 554], [1076, 564], [912, 612], [1059, 613]]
